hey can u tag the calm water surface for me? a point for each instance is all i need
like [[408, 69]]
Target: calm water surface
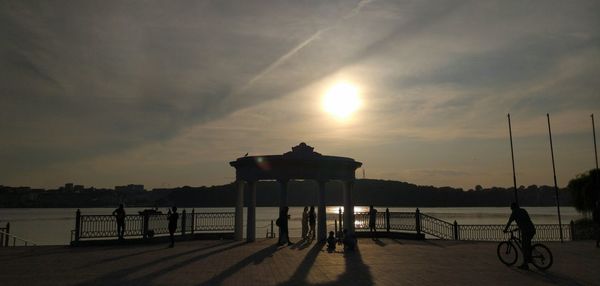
[[52, 226]]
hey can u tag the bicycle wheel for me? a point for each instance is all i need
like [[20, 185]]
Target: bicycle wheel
[[541, 257], [507, 253]]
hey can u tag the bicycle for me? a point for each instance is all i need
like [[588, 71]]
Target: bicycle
[[541, 257]]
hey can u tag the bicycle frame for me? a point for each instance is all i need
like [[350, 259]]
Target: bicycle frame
[[515, 240]]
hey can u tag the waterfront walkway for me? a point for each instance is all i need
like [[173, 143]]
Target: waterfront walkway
[[384, 262]]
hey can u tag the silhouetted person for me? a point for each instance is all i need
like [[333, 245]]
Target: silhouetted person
[[172, 217], [331, 242], [305, 223], [119, 214], [596, 219], [373, 222], [312, 220], [283, 227], [349, 241], [527, 231]]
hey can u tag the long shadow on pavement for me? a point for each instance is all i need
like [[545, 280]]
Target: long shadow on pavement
[[118, 277], [255, 258], [552, 278], [299, 276], [356, 272], [115, 258]]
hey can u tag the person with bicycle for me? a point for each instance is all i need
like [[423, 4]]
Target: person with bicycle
[[521, 217]]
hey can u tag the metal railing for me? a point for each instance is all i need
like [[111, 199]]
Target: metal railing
[[434, 226], [361, 220], [16, 241], [495, 232], [429, 225], [5, 234], [148, 225]]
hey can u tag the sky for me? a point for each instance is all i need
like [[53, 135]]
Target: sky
[[167, 93]]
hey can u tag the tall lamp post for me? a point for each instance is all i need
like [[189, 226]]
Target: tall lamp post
[[512, 155], [555, 184]]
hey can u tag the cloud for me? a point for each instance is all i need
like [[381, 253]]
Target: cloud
[[92, 83]]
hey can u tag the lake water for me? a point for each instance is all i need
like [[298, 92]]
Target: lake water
[[52, 226]]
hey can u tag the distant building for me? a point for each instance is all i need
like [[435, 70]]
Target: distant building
[[68, 187], [130, 188]]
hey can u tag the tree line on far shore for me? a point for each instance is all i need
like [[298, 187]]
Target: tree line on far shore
[[300, 193]]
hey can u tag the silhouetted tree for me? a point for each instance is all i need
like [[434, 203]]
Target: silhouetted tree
[[584, 190]]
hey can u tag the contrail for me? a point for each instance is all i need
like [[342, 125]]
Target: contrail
[[300, 46]]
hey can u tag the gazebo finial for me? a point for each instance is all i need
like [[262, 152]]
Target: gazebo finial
[[302, 150]]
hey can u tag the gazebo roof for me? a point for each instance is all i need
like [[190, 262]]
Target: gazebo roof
[[300, 163]]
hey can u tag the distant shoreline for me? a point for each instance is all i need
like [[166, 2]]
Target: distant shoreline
[[300, 193]]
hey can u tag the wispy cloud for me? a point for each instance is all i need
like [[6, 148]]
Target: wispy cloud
[[94, 84]]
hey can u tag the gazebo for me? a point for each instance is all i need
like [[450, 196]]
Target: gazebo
[[302, 163]]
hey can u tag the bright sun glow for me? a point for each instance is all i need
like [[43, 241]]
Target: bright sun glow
[[341, 100]]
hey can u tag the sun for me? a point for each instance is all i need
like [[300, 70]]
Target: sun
[[341, 100]]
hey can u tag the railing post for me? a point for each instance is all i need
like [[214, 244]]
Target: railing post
[[418, 221], [145, 225], [572, 230], [455, 230], [335, 222], [7, 234], [193, 223], [183, 223], [340, 219], [77, 225], [272, 233], [387, 219]]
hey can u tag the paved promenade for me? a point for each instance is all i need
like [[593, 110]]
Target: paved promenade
[[386, 262]]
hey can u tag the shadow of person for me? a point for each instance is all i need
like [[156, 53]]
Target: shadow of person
[[119, 277], [255, 258], [356, 272], [553, 278], [379, 242], [299, 276]]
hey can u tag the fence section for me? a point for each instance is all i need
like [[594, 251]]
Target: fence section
[[4, 234], [436, 227], [361, 220], [426, 224], [148, 225], [223, 221]]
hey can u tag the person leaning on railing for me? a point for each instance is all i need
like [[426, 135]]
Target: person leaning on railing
[[172, 217], [373, 222], [119, 214], [527, 231]]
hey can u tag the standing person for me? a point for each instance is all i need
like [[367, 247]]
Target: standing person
[[596, 219], [312, 219], [172, 217], [373, 222], [305, 223], [527, 231], [284, 236], [119, 214]]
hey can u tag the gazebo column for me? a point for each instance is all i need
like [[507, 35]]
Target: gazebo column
[[322, 217], [239, 211], [251, 224], [348, 207]]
